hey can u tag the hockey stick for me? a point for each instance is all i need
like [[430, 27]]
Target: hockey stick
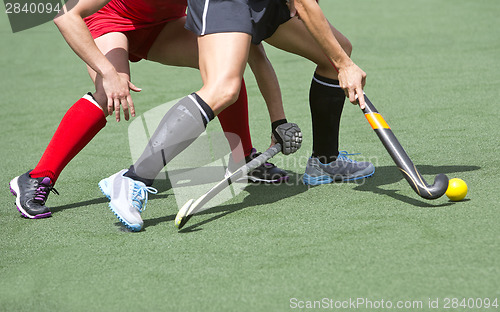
[[403, 162], [191, 207]]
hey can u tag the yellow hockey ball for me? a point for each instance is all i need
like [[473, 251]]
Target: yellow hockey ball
[[457, 189]]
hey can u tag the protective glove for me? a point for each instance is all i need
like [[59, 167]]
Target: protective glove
[[288, 135]]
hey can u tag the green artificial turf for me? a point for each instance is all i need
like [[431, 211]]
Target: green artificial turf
[[433, 73]]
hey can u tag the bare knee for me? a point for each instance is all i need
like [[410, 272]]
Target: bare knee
[[343, 41], [221, 95], [227, 96], [325, 68], [347, 47], [232, 92]]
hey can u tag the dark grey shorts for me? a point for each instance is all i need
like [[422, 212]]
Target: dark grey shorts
[[258, 18]]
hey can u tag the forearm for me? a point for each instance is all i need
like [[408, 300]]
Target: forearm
[[317, 24], [267, 81], [78, 37]]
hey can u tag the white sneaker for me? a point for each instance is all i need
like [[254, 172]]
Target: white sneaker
[[128, 198]]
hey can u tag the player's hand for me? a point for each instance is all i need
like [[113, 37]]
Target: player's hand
[[288, 135], [117, 88], [352, 79]]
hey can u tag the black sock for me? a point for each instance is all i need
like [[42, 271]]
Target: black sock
[[133, 175], [326, 100], [180, 126]]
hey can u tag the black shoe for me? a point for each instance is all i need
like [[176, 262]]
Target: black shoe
[[31, 195], [267, 172]]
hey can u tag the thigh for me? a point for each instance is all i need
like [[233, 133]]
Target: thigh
[[223, 57], [294, 37], [115, 47], [224, 29], [175, 46]]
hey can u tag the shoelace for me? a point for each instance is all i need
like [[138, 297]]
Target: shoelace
[[42, 193], [343, 156], [140, 196]]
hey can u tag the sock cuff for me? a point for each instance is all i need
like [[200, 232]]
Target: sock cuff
[[89, 97], [327, 82], [131, 174], [205, 110], [43, 173], [87, 104]]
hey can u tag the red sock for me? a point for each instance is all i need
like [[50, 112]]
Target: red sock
[[78, 126], [234, 119]]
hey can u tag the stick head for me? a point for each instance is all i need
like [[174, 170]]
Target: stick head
[[181, 218], [437, 189]]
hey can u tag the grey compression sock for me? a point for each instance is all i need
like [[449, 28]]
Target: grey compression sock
[[180, 126]]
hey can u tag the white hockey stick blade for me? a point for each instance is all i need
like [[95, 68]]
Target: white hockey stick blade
[[190, 208]]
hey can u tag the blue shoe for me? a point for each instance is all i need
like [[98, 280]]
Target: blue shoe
[[341, 170], [128, 198]]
